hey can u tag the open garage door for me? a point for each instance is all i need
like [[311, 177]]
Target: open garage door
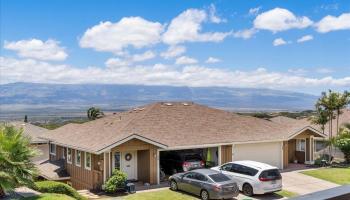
[[267, 152]]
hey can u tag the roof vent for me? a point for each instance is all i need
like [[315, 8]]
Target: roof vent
[[186, 104], [168, 104]]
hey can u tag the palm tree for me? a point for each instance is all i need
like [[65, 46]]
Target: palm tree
[[16, 167], [342, 102], [94, 113], [321, 118]]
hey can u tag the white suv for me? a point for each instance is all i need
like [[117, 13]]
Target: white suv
[[253, 177]]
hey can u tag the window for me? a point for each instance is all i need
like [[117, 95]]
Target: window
[[320, 145], [240, 169], [300, 145], [219, 177], [52, 149], [87, 161], [227, 167], [190, 175], [117, 160], [78, 158], [201, 177], [69, 155]]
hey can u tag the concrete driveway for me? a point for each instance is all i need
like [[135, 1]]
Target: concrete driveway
[[303, 184]]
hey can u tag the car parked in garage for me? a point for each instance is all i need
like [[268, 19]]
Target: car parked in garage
[[174, 161], [253, 177], [206, 183]]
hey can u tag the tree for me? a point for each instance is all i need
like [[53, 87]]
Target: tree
[[321, 118], [342, 101], [342, 141], [16, 167], [94, 113], [25, 118]]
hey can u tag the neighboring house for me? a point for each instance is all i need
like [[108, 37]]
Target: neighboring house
[[132, 141], [35, 133]]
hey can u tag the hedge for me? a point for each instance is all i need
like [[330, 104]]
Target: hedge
[[57, 187]]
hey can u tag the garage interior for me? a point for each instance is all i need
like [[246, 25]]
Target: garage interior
[[209, 156]]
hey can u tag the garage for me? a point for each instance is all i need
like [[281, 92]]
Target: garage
[[175, 161], [267, 152]]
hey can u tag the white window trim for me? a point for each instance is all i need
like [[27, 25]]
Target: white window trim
[[71, 157], [85, 158], [76, 156], [298, 147], [52, 153]]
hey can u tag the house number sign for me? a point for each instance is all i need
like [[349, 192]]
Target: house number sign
[[128, 157]]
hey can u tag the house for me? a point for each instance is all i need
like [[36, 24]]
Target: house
[[133, 141], [35, 133]]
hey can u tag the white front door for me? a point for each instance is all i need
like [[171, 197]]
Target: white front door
[[129, 164]]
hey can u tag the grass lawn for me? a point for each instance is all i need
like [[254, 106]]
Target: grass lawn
[[50, 196], [340, 176], [286, 193], [168, 194]]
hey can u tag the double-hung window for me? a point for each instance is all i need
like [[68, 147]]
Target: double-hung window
[[52, 149], [78, 158], [300, 144], [69, 155], [87, 160]]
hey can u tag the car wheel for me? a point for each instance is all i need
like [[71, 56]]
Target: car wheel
[[173, 185], [247, 190], [204, 195]]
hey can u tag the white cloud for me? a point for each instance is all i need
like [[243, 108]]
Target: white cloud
[[38, 49], [280, 19], [184, 60], [173, 51], [213, 16], [187, 27], [212, 60], [324, 70], [28, 70], [332, 23], [245, 34], [305, 38], [144, 56], [279, 41], [298, 71], [117, 62], [115, 37], [254, 11]]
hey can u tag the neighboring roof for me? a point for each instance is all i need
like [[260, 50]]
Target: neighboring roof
[[170, 125], [53, 170], [32, 131]]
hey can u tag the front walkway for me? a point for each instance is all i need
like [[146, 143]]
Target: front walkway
[[303, 184]]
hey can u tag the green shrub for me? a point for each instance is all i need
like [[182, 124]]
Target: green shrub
[[57, 187], [116, 181]]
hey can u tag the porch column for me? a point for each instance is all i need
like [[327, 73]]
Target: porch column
[[312, 149]]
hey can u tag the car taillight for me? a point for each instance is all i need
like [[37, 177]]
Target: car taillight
[[265, 179], [217, 188], [185, 164], [202, 163]]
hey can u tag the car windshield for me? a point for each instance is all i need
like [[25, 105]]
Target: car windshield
[[219, 177], [192, 157], [271, 174]]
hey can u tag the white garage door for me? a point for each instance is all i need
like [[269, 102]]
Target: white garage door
[[269, 152]]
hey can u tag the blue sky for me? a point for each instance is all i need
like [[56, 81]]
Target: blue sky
[[194, 43]]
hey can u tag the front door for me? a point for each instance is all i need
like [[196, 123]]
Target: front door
[[129, 164]]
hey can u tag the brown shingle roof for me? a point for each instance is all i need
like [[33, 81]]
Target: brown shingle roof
[[34, 132], [173, 125]]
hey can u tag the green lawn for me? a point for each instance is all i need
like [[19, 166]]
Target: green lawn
[[340, 176], [168, 194], [50, 196], [286, 193]]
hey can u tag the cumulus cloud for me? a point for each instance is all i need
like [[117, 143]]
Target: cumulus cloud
[[212, 60], [280, 19], [29, 70], [173, 51], [38, 49], [115, 37], [184, 60], [279, 42], [245, 34], [213, 16], [305, 38], [332, 23], [187, 27], [130, 59], [144, 56]]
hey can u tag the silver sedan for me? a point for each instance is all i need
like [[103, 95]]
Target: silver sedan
[[206, 183]]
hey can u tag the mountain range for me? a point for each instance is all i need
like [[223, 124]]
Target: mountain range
[[66, 99]]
